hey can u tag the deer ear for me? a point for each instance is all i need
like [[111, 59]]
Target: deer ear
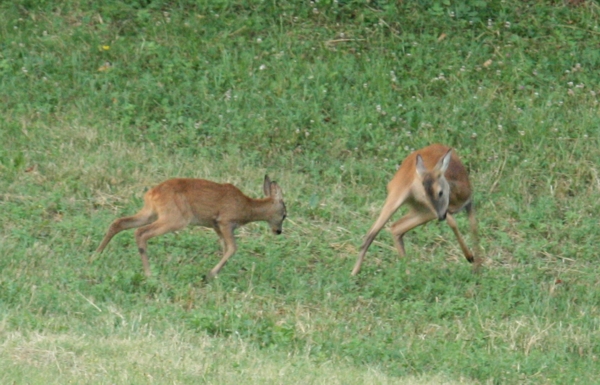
[[267, 186], [443, 163], [276, 192], [421, 170]]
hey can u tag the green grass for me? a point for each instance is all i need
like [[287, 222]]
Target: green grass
[[327, 98]]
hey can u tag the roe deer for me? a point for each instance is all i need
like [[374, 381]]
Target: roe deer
[[176, 203], [434, 184]]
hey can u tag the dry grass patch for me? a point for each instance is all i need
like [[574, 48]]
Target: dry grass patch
[[171, 358]]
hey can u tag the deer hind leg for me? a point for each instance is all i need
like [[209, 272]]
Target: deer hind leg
[[144, 217], [225, 232], [393, 201], [452, 223], [161, 226], [408, 222]]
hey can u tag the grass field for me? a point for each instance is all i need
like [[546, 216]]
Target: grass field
[[100, 101]]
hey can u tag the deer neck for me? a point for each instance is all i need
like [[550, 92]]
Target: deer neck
[[260, 209]]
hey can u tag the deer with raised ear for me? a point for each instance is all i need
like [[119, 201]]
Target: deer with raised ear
[[434, 184], [177, 203]]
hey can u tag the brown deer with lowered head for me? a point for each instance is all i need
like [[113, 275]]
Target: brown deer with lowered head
[[434, 184], [176, 203]]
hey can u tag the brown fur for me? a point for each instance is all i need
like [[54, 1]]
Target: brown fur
[[177, 203], [418, 187]]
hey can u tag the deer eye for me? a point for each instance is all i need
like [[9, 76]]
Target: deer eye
[[441, 193]]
